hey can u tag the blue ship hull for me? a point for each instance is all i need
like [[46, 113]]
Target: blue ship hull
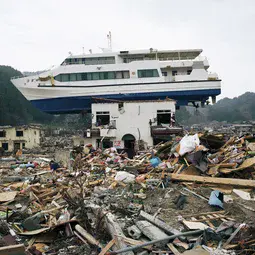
[[83, 103]]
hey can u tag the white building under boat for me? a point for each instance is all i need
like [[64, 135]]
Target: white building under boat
[[126, 124], [150, 74]]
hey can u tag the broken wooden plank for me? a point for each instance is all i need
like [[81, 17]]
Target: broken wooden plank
[[87, 235], [107, 247], [233, 235], [8, 196], [179, 169], [246, 164], [203, 179], [207, 221], [18, 249], [194, 225], [173, 249], [113, 227], [223, 165], [198, 214]]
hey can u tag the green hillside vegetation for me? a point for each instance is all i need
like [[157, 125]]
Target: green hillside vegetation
[[14, 108], [234, 110]]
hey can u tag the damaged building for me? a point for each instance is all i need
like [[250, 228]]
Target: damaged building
[[20, 137], [124, 125]]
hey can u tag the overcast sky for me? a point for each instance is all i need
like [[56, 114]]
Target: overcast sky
[[38, 34]]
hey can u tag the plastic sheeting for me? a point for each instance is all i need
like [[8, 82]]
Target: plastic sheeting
[[188, 144]]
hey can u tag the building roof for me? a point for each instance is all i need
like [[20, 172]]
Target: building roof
[[21, 127]]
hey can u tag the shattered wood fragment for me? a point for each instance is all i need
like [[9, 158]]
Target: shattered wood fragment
[[173, 249], [107, 247], [198, 214], [18, 249], [233, 235], [8, 196], [112, 226], [246, 164], [84, 241], [87, 235], [202, 179]]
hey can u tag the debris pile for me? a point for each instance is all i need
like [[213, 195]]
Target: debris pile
[[191, 195]]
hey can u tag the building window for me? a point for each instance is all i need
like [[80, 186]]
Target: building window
[[174, 72], [5, 146], [102, 118], [2, 133], [164, 73], [19, 133], [105, 144], [23, 145], [147, 73], [35, 132], [16, 147], [163, 117], [189, 72]]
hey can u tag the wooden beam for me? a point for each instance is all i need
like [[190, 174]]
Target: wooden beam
[[107, 247], [13, 250], [199, 214], [203, 179], [173, 249]]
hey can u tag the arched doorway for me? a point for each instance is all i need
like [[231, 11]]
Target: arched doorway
[[129, 144]]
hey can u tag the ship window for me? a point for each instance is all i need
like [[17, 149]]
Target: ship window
[[73, 77], [148, 73], [119, 75], [174, 73], [83, 76], [98, 76], [163, 117], [79, 77], [189, 72], [126, 75], [164, 73], [95, 76], [57, 78], [111, 75], [65, 77], [89, 76]]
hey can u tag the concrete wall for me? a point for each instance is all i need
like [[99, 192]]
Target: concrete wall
[[63, 156], [133, 118], [31, 137]]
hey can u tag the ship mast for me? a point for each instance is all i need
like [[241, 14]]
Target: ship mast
[[109, 38]]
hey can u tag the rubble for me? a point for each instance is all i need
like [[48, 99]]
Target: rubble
[[191, 195]]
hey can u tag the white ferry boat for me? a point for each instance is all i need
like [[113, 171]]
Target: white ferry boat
[[149, 74]]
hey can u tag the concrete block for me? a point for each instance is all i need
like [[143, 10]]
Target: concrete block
[[134, 232], [151, 231]]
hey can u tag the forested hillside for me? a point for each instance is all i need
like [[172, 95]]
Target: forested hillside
[[238, 109], [14, 108]]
